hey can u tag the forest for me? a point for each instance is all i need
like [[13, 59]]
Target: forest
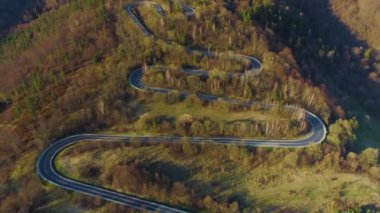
[[65, 71]]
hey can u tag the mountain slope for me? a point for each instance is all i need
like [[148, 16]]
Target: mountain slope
[[66, 72]]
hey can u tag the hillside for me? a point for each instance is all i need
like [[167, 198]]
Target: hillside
[[66, 71], [329, 53], [362, 17]]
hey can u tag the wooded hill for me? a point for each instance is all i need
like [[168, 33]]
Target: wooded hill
[[66, 72]]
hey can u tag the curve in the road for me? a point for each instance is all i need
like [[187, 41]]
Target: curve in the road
[[46, 167]]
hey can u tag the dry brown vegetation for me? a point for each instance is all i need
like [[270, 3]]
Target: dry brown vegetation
[[66, 73], [229, 178], [362, 17]]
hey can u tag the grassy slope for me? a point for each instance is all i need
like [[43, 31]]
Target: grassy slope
[[312, 189], [220, 114], [302, 189]]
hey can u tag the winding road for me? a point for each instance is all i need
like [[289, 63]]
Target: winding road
[[45, 165]]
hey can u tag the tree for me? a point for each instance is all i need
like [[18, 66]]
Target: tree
[[197, 128], [342, 132], [180, 193], [368, 54], [369, 157], [246, 15], [187, 148], [234, 207], [374, 171], [352, 161]]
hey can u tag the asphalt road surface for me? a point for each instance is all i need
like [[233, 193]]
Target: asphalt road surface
[[46, 168]]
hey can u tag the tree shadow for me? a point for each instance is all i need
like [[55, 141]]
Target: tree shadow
[[370, 208], [178, 173], [174, 172], [4, 105], [13, 12], [330, 56]]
